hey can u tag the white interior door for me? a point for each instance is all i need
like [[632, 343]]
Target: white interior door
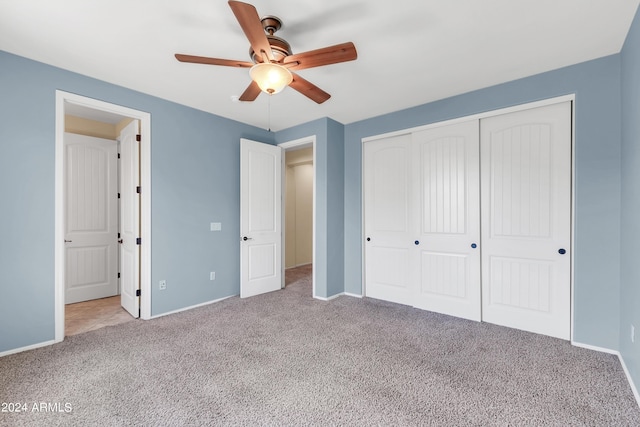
[[91, 218], [388, 219], [526, 214], [130, 219], [446, 266], [260, 218]]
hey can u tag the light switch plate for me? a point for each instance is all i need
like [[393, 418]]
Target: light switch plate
[[216, 226]]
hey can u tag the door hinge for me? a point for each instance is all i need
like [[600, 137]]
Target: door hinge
[[118, 195], [137, 292], [138, 137], [118, 235], [138, 190], [118, 275], [138, 241], [118, 155]]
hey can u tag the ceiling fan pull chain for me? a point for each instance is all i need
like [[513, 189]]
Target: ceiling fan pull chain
[[269, 113]]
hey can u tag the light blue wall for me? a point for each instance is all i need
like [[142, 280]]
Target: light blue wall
[[630, 247], [329, 165], [195, 180], [335, 208], [597, 187]]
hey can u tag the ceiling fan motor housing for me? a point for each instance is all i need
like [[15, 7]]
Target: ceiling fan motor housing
[[280, 48]]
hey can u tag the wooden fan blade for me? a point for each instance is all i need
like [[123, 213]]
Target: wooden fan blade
[[251, 92], [212, 61], [325, 56], [249, 21], [308, 89]]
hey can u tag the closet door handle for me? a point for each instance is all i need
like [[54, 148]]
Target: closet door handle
[[245, 238], [368, 239], [417, 242], [473, 245], [562, 251]]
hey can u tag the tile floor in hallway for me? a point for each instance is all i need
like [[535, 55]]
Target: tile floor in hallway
[[94, 314]]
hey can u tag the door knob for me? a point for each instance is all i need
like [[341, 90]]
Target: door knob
[[119, 240], [562, 251], [67, 241], [368, 239], [417, 242], [245, 238], [473, 245]]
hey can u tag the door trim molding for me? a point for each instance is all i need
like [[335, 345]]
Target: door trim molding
[[491, 113], [286, 146], [145, 209]]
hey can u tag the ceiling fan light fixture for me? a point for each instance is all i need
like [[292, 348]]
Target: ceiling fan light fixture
[[270, 77]]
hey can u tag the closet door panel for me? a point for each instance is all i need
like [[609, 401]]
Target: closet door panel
[[447, 215], [526, 211], [388, 219]]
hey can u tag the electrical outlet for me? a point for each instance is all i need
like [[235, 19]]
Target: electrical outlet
[[212, 275], [163, 285], [633, 333]]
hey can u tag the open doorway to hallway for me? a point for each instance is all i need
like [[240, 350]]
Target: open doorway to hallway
[[299, 218], [93, 217], [76, 261], [299, 208]]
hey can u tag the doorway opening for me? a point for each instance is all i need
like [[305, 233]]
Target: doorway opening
[[88, 122], [299, 180]]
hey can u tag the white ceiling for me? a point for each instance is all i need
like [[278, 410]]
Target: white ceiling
[[410, 52]]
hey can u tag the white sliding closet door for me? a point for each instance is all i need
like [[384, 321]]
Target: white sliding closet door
[[526, 215], [447, 207], [388, 219], [474, 219]]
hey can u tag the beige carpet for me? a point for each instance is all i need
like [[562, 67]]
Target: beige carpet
[[286, 359]]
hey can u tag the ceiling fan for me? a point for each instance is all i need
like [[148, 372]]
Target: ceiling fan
[[273, 62]]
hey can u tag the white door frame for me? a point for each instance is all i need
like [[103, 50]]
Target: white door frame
[[308, 141], [63, 98], [550, 101]]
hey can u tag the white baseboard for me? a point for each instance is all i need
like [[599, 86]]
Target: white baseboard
[[631, 383], [595, 348], [29, 347], [191, 307], [298, 265], [349, 294], [634, 389], [329, 298]]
